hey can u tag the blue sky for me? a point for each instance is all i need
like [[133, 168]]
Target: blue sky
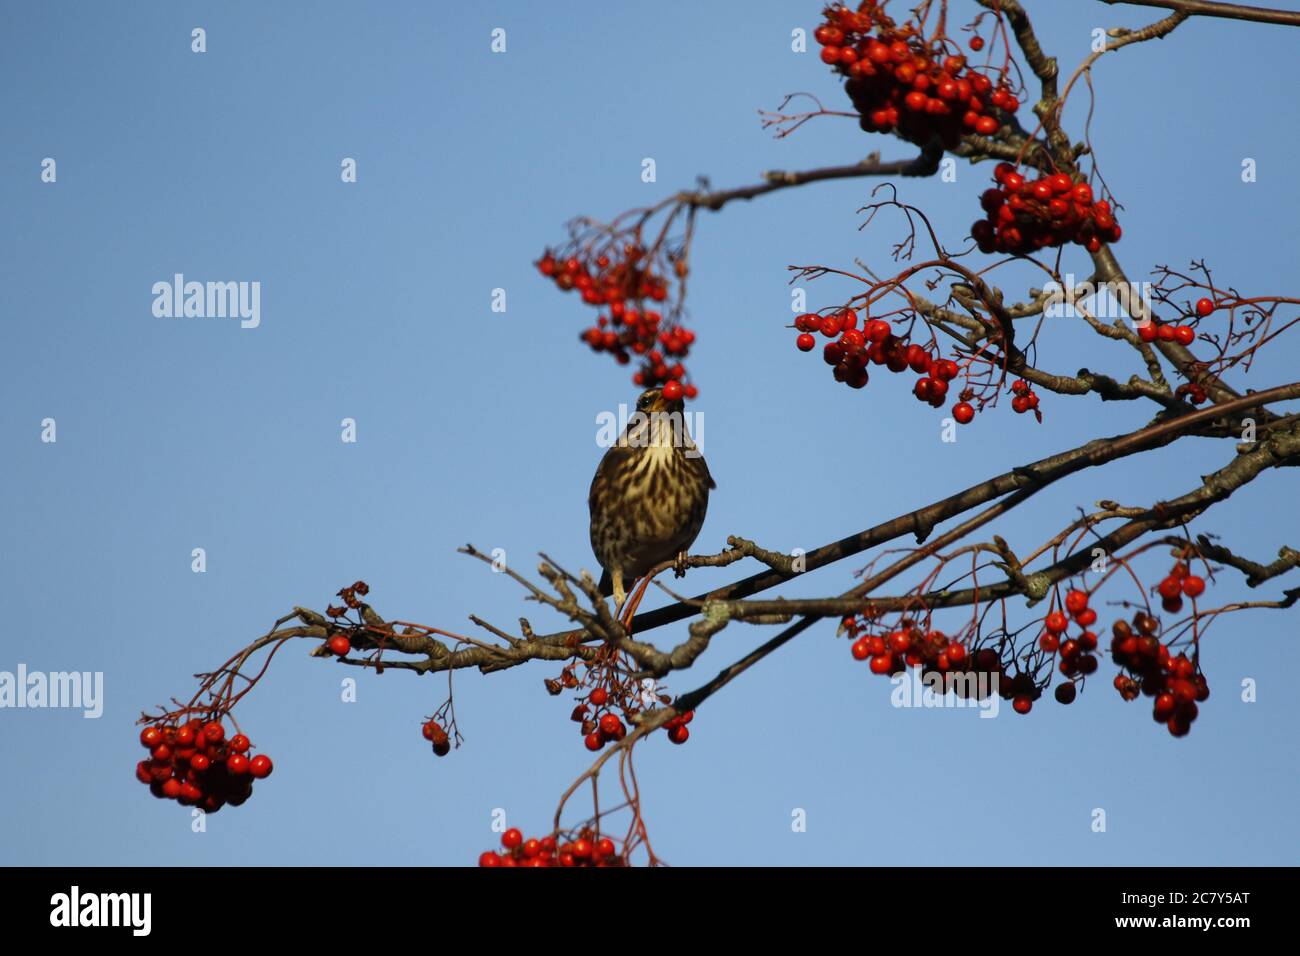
[[475, 426]]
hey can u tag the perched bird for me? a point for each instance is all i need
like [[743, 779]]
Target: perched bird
[[649, 495]]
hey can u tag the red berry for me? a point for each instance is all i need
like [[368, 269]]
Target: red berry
[[593, 741], [599, 696], [489, 859], [860, 650], [679, 734], [877, 330], [1164, 707], [977, 43], [1076, 601], [805, 342], [1022, 704], [200, 762], [963, 412], [1056, 622], [610, 724], [214, 732], [237, 764], [1193, 586], [1170, 587], [340, 645], [1065, 693], [239, 743], [151, 737], [882, 663], [260, 766], [172, 788], [1204, 307], [672, 391]]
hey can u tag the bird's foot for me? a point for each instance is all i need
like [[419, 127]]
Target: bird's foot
[[679, 566], [625, 618]]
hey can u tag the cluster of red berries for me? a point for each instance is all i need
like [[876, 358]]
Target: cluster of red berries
[[627, 327], [853, 349], [906, 646], [1076, 653], [194, 764], [433, 732], [1023, 216], [1178, 582], [1024, 398], [1164, 332], [588, 849], [901, 83], [935, 652], [598, 725], [1173, 682], [676, 727]]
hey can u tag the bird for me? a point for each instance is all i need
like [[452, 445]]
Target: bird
[[649, 495]]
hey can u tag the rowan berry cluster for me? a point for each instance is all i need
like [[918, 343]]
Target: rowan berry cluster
[[907, 645], [1177, 583], [853, 349], [1152, 671], [625, 287], [598, 724], [1074, 654], [1026, 215], [196, 765], [588, 848], [1156, 331], [433, 732], [902, 83], [613, 701], [1024, 399]]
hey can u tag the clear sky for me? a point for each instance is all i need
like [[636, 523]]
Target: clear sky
[[478, 426]]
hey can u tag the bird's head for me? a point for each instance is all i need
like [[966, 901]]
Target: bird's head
[[652, 400]]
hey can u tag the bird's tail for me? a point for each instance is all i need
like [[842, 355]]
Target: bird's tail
[[606, 584]]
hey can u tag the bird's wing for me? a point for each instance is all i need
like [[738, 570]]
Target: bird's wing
[[702, 468], [616, 460]]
